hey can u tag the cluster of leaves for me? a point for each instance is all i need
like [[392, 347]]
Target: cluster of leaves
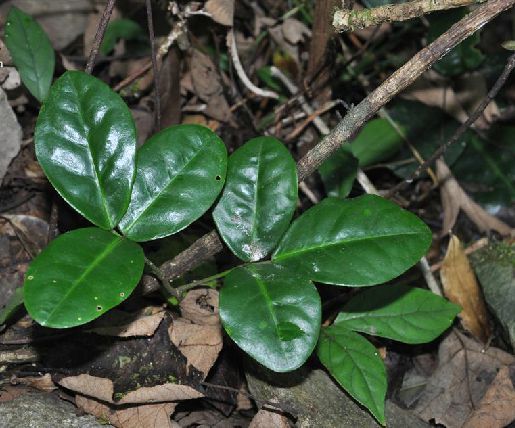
[[85, 141]]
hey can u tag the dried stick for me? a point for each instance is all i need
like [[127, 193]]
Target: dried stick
[[99, 36], [351, 20], [355, 118], [231, 44], [499, 83], [157, 100]]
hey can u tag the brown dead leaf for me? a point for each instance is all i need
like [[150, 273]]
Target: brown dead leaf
[[42, 383], [103, 389], [200, 344], [201, 307], [464, 373], [267, 418], [144, 121], [31, 231], [221, 11], [169, 89], [497, 407], [200, 119], [454, 198], [142, 416], [461, 287], [123, 324], [295, 31]]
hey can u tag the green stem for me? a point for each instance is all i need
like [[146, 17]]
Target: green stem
[[186, 287], [159, 275]]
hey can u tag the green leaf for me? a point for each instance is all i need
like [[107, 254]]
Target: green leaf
[[259, 198], [272, 314], [86, 142], [356, 242], [465, 56], [31, 51], [426, 128], [12, 305], [120, 29], [399, 312], [180, 172], [377, 141], [339, 172], [81, 275], [355, 363]]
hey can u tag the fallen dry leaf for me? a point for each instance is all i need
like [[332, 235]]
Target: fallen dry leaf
[[200, 344], [169, 89], [221, 11], [144, 121], [42, 383], [294, 31], [123, 324], [464, 373], [142, 416], [497, 407], [454, 198], [268, 418], [10, 137], [461, 287], [201, 307]]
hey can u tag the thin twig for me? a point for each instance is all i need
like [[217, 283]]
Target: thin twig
[[510, 65], [351, 20], [233, 50], [99, 36], [157, 101]]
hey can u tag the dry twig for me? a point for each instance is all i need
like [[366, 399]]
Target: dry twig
[[99, 36]]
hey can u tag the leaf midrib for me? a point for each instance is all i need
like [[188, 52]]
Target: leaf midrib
[[303, 250], [109, 249]]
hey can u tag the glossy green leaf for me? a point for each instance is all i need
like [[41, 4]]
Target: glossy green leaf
[[180, 172], [339, 172], [85, 142], [399, 312], [426, 128], [81, 275], [357, 242], [120, 29], [355, 363], [272, 314], [31, 51], [259, 198]]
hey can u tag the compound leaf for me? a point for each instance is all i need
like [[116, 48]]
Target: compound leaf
[[85, 142], [272, 314], [259, 198], [398, 312], [180, 172], [357, 242], [81, 275], [355, 363], [31, 51]]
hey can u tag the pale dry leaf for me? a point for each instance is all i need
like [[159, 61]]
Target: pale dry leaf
[[221, 11], [144, 121], [455, 199], [30, 230], [200, 344], [465, 371], [200, 119], [243, 402], [295, 31], [497, 407], [5, 56], [92, 386], [10, 136], [201, 306], [123, 324], [9, 78], [461, 287], [268, 418], [41, 383], [141, 416]]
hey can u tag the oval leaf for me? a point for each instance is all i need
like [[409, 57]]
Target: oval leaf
[[356, 242], [180, 172], [356, 365], [399, 312], [31, 51], [259, 198], [86, 142], [81, 275], [272, 314]]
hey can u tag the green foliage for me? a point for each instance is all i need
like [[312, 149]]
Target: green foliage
[[259, 198], [272, 313], [335, 241], [462, 58], [181, 170], [81, 275], [31, 51], [121, 29], [339, 172], [85, 142], [355, 363], [398, 312]]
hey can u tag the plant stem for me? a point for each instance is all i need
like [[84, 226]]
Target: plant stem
[[99, 36], [159, 275], [186, 287]]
